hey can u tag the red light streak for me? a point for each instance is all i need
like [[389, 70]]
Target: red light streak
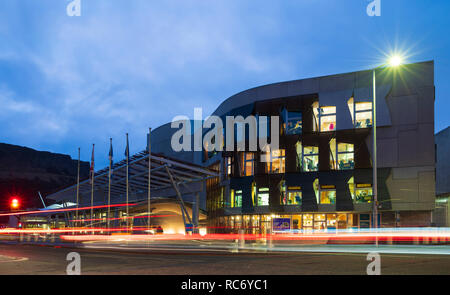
[[66, 210], [120, 218]]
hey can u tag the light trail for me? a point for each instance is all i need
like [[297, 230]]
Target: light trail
[[120, 218], [64, 210]]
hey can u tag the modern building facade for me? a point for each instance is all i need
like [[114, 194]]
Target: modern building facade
[[321, 176]]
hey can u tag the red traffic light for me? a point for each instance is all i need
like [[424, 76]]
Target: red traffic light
[[15, 204]]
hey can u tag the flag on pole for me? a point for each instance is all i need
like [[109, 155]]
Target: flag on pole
[[91, 170], [111, 157], [127, 149]]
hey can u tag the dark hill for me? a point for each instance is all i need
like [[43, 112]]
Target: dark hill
[[24, 172]]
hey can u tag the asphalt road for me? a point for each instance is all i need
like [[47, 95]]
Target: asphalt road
[[27, 259]]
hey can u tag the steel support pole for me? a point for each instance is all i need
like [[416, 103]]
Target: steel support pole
[[180, 199], [92, 191], [78, 188], [374, 165], [109, 190], [149, 177]]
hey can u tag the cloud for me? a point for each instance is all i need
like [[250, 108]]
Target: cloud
[[120, 67], [126, 65]]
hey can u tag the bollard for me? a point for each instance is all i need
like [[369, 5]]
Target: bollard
[[241, 238]]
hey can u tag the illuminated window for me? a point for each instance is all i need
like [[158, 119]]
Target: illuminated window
[[263, 196], [228, 166], [276, 163], [308, 220], [315, 107], [361, 113], [319, 221], [248, 160], [236, 198], [351, 187], [310, 158], [299, 158], [346, 156], [333, 154], [363, 193], [327, 118], [331, 220], [294, 195], [254, 194], [342, 156], [293, 122], [327, 194], [316, 189]]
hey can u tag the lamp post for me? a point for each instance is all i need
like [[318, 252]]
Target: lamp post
[[393, 61]]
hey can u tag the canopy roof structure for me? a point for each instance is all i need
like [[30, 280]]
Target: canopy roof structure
[[164, 173]]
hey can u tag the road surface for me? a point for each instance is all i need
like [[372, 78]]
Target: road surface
[[32, 259]]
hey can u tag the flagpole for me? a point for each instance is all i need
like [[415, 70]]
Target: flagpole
[[78, 186], [92, 185], [149, 143], [127, 156], [109, 183]]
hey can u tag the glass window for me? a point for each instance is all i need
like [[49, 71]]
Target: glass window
[[331, 220], [228, 166], [351, 187], [327, 118], [315, 107], [299, 158], [346, 157], [263, 196], [254, 199], [294, 123], [316, 189], [363, 115], [294, 196], [310, 158], [248, 164], [333, 154], [277, 162], [319, 221], [308, 220], [363, 193], [327, 194], [236, 198]]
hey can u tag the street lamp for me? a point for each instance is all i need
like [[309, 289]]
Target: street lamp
[[393, 61]]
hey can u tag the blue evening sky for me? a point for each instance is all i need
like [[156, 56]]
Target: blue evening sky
[[126, 65]]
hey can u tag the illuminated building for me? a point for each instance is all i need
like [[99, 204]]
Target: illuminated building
[[321, 177]]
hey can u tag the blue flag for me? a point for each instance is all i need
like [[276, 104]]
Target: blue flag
[[111, 156], [127, 149], [92, 169]]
